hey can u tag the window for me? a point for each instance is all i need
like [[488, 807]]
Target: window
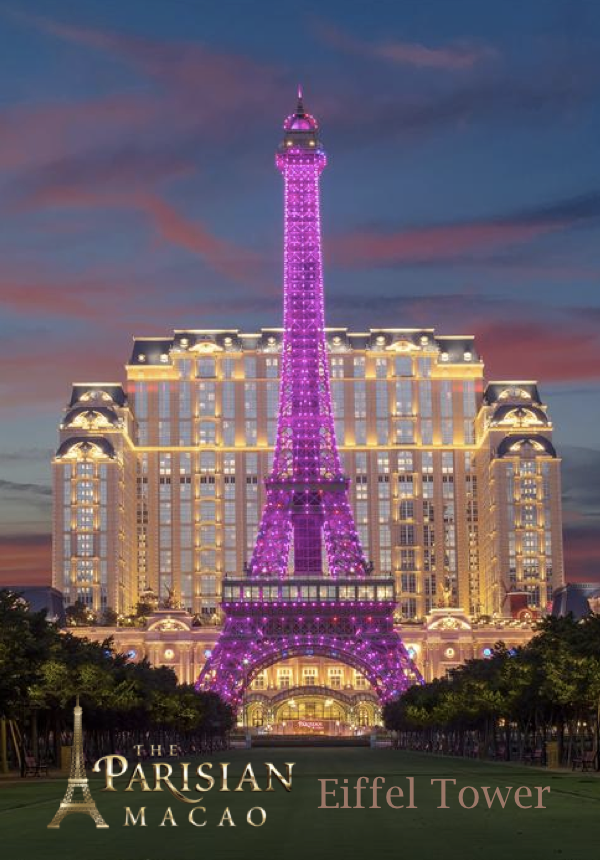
[[469, 398], [446, 398], [206, 399], [529, 515], [381, 399], [85, 491], [335, 678], [407, 510], [405, 432], [259, 683], [251, 432], [405, 461], [403, 365], [469, 431], [337, 368], [404, 404], [250, 367], [408, 607], [360, 431], [141, 401], [359, 367], [164, 400], [528, 488], [426, 431], [208, 586], [85, 518], [309, 676], [284, 678], [409, 583], [447, 462], [381, 367], [427, 486], [407, 535], [227, 367], [407, 559], [360, 682], [405, 486], [206, 433], [207, 511], [164, 432], [447, 431], [205, 368], [424, 366], [360, 400]]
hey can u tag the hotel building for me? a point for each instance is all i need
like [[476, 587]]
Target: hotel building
[[455, 483]]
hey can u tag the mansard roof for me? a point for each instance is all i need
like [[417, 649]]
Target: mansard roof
[[97, 392], [512, 391], [453, 349], [86, 444], [512, 444], [521, 412], [90, 412]]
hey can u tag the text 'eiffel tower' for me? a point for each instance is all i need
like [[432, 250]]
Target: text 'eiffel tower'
[[308, 589], [77, 781]]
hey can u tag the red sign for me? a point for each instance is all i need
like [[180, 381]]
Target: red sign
[[313, 725]]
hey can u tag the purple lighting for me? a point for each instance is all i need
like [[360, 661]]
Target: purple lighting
[[307, 552]]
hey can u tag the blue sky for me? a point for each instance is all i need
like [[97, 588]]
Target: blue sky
[[138, 194]]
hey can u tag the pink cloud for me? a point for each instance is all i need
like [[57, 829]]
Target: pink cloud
[[213, 84], [39, 371], [549, 351], [25, 560], [35, 134], [457, 56], [168, 224], [364, 248], [582, 555]]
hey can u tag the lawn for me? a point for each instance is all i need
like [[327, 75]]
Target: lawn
[[296, 828]]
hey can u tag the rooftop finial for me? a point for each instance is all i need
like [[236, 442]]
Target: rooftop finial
[[300, 107]]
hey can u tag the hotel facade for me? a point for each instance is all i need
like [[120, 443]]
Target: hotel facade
[[454, 482]]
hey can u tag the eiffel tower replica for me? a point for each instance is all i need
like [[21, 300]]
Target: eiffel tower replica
[[77, 781], [308, 589]]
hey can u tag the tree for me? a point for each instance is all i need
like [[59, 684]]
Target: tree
[[80, 615]]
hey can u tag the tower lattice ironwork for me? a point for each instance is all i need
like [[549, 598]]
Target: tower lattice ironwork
[[78, 781], [308, 588]]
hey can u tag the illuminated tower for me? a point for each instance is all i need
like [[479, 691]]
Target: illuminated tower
[[77, 781], [308, 588]]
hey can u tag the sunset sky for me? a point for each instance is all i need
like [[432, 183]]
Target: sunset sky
[[138, 194]]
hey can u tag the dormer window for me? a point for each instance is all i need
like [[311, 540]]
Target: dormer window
[[514, 393]]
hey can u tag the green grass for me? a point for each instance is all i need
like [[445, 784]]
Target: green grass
[[295, 828]]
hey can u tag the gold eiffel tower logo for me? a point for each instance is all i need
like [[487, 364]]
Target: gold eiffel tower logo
[[77, 781]]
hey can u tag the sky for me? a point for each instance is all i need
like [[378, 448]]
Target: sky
[[138, 194]]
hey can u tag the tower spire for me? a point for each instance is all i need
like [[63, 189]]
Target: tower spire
[[300, 105]]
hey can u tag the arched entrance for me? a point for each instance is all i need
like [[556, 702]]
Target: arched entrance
[[387, 672], [309, 695]]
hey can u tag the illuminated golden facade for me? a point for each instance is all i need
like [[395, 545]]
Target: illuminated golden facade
[[455, 484]]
